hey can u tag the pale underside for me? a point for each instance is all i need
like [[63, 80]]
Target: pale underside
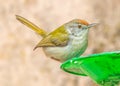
[[74, 48]]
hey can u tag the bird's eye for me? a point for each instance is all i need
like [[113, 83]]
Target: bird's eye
[[79, 26]]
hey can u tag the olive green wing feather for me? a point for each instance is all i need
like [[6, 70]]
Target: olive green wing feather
[[59, 37]]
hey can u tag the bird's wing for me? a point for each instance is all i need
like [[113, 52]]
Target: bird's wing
[[59, 37]]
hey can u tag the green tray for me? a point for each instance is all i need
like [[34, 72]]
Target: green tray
[[103, 68]]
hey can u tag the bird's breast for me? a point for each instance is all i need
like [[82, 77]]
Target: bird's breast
[[75, 46]]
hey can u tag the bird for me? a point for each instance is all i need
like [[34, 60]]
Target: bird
[[68, 41]]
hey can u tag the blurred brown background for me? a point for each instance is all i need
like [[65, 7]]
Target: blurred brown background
[[21, 66]]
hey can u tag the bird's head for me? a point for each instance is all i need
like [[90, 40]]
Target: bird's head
[[78, 27]]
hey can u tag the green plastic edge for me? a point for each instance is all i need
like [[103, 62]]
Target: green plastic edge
[[84, 58]]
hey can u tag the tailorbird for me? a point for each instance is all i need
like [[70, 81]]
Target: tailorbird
[[68, 41]]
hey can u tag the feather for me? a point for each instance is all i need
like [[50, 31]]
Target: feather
[[59, 37]]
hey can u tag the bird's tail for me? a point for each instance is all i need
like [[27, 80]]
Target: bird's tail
[[32, 26]]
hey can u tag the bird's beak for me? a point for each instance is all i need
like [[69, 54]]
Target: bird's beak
[[93, 24]]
